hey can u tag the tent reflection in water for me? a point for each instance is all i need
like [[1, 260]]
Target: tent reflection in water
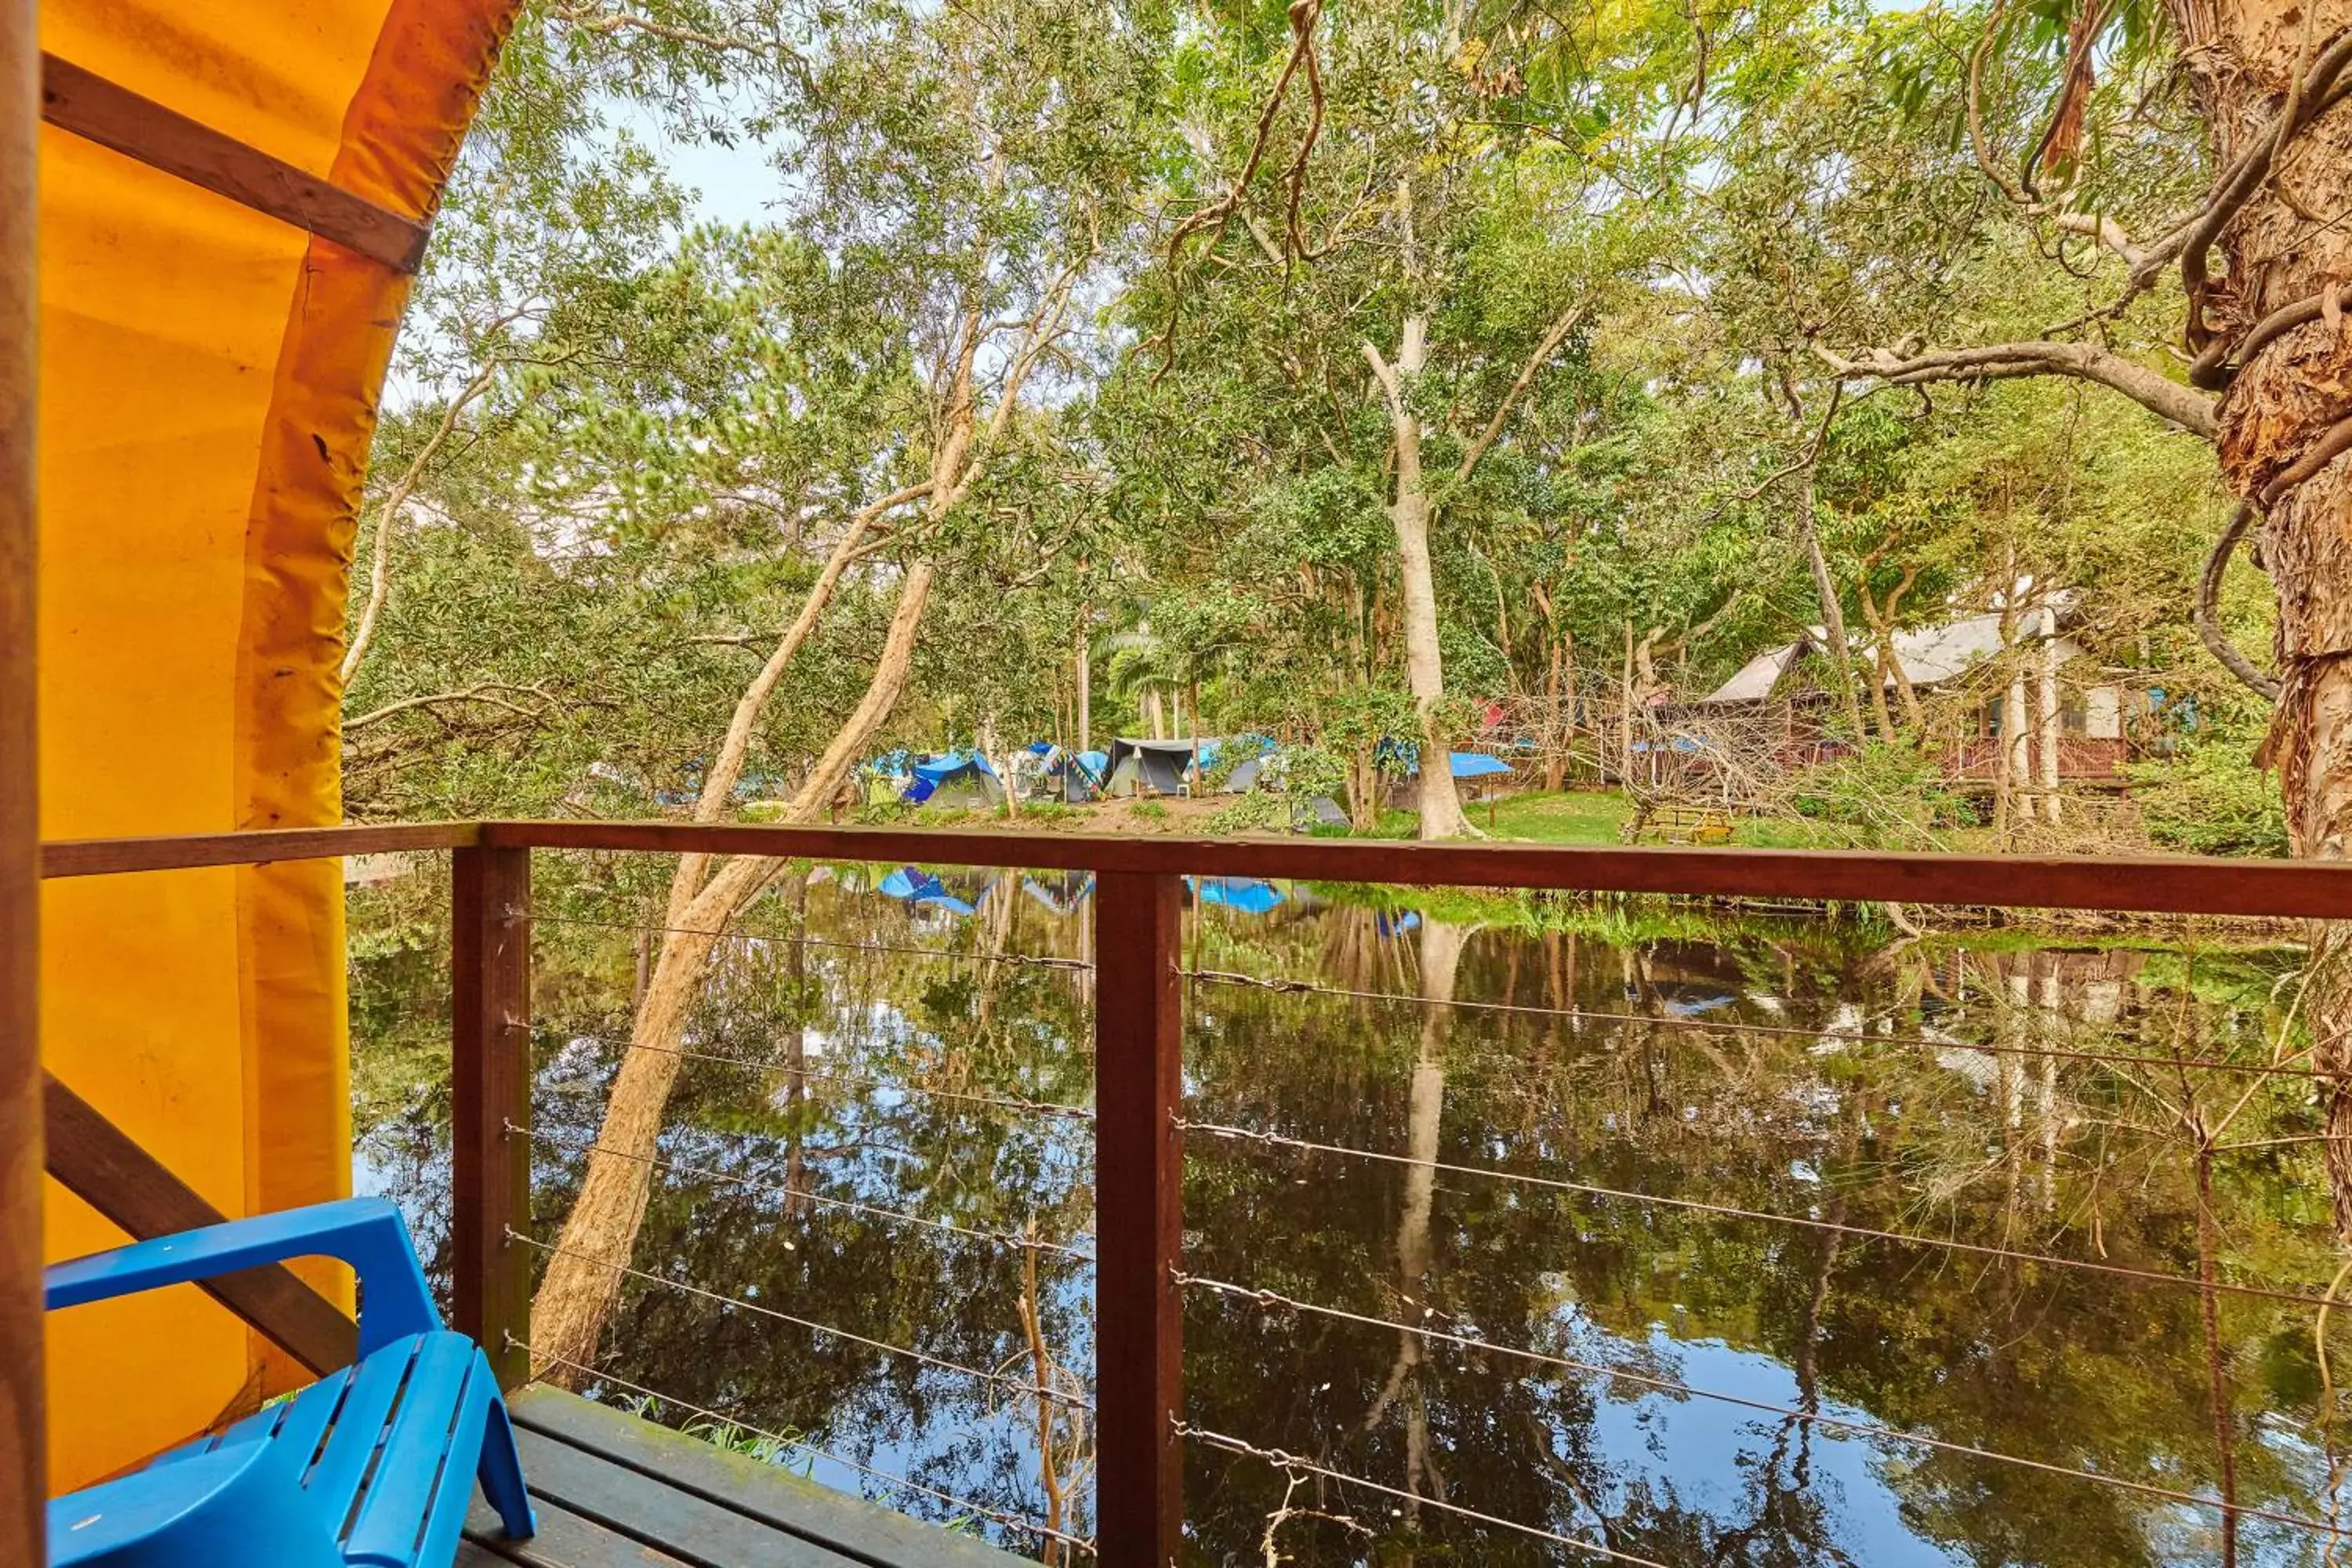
[[1243, 895]]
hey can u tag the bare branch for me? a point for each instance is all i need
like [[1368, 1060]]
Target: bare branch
[[2150, 389], [486, 693], [1552, 338], [589, 19], [388, 519]]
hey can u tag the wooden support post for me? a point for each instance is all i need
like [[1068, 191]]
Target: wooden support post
[[1138, 1221], [489, 1085], [24, 1429]]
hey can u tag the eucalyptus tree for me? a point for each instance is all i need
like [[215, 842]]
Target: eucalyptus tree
[[965, 167], [1382, 275]]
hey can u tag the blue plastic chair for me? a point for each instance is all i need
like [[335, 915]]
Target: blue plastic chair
[[372, 1465]]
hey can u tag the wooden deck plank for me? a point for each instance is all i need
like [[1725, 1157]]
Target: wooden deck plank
[[855, 1530], [648, 1511], [564, 1540]]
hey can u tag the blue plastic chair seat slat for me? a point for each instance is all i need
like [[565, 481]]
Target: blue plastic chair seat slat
[[374, 1464], [302, 1425], [376, 1384], [408, 1483]]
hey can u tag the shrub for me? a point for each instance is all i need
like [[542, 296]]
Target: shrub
[[1881, 796], [2209, 798]]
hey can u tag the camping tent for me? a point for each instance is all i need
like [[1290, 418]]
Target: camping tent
[[959, 779], [210, 360], [1155, 767], [1045, 769]]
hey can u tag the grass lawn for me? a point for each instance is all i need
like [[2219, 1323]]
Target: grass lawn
[[1570, 816]]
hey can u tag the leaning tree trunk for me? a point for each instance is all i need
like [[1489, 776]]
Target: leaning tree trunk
[[2282, 427], [583, 1278], [1839, 650]]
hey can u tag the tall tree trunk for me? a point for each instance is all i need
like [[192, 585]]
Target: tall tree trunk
[[1556, 728], [2016, 741], [2241, 62], [2047, 725], [583, 1282], [1085, 693], [1914, 718], [1441, 805], [1879, 693], [1832, 614]]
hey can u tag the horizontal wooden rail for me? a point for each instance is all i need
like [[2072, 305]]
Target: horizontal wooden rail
[[111, 856], [2155, 885], [2169, 884]]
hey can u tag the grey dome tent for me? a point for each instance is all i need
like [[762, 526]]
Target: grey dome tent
[[1155, 767]]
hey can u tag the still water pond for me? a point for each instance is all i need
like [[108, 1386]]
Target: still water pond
[[849, 1072]]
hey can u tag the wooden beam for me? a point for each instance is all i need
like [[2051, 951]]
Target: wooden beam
[[114, 856], [96, 109], [107, 1169], [2156, 884], [489, 1178], [24, 1427], [1138, 1222]]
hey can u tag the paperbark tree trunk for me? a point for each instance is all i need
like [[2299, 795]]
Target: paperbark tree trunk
[[2242, 62]]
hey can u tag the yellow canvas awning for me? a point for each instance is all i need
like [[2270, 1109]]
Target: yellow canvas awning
[[210, 368]]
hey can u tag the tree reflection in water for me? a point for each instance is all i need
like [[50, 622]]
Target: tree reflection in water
[[1849, 1101]]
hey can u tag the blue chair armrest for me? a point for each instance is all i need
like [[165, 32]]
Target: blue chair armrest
[[365, 1233]]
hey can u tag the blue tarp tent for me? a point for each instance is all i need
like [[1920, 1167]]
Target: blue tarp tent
[[1476, 764], [1392, 752], [961, 779], [1247, 895]]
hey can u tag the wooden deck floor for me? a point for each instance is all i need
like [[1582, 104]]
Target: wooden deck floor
[[613, 1491]]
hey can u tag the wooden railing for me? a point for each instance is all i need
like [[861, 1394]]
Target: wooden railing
[[1138, 1040]]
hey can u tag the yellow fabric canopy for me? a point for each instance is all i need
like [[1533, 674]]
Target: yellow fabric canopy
[[209, 378]]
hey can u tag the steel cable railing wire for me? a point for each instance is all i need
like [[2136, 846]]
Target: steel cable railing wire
[[762, 1309], [901, 1483], [1296, 1465], [1277, 1301], [727, 933], [2282, 1069], [1727, 1211], [849, 1205], [827, 1075]]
